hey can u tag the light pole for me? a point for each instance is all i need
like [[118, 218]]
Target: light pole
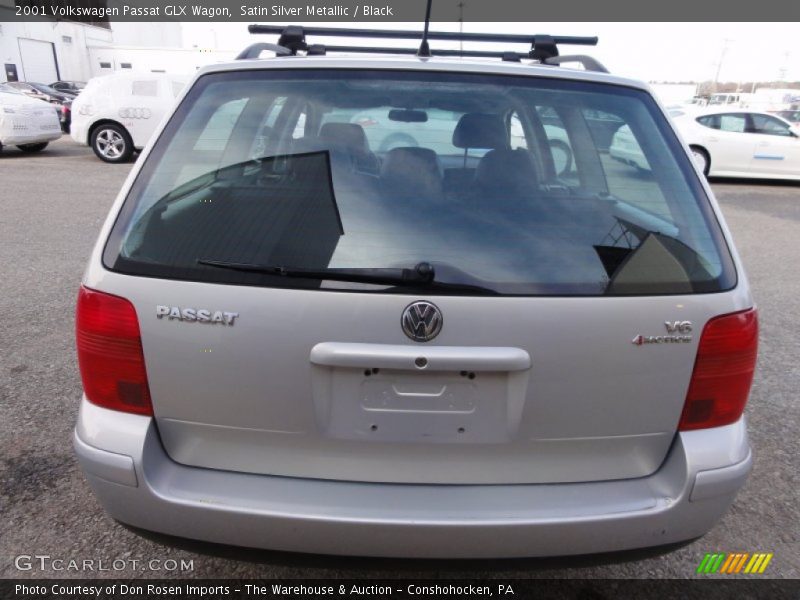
[[725, 43], [785, 67]]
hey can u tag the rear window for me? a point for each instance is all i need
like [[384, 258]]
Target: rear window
[[504, 185]]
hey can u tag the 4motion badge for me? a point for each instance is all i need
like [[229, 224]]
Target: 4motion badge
[[678, 332]]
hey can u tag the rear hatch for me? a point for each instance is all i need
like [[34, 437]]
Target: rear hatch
[[498, 300]]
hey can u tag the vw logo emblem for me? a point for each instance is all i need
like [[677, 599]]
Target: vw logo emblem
[[421, 321]]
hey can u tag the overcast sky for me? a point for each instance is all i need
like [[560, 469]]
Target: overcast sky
[[648, 51]]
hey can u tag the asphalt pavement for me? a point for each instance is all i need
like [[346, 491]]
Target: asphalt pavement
[[51, 208]]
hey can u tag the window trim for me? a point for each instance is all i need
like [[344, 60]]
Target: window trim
[[729, 270]]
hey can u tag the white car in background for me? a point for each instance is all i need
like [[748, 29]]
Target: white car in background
[[26, 123], [729, 142], [117, 114]]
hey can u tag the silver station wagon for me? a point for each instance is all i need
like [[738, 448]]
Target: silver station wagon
[[484, 337]]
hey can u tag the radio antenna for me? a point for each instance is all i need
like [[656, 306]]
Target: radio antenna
[[424, 49]]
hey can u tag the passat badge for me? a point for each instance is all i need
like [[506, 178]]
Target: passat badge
[[198, 315]]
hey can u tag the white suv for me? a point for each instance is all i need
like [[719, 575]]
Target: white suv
[[117, 114], [291, 339]]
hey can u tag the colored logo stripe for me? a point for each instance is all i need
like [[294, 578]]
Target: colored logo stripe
[[758, 563], [711, 562], [722, 562]]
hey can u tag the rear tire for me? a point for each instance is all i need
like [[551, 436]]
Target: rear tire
[[701, 157], [33, 147], [112, 143]]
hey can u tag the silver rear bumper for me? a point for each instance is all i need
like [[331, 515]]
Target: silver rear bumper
[[139, 484]]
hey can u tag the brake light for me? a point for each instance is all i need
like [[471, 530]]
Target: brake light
[[723, 371], [110, 353]]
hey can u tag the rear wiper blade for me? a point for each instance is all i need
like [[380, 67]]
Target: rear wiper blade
[[423, 273]]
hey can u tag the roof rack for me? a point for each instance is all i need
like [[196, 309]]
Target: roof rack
[[543, 48]]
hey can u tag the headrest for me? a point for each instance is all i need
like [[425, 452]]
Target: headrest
[[347, 135], [412, 170], [409, 159], [480, 130], [506, 171]]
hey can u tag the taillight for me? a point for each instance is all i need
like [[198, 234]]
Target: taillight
[[723, 371], [110, 353]]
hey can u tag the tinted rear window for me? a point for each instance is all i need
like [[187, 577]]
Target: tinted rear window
[[517, 185]]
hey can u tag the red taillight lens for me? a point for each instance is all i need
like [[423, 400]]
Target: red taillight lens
[[110, 353], [723, 371]]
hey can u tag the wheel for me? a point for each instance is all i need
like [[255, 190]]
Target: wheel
[[562, 156], [33, 147], [703, 161], [111, 143], [397, 140]]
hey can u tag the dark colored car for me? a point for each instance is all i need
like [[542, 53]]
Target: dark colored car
[[65, 116], [71, 87], [43, 92]]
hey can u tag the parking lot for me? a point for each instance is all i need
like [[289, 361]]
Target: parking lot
[[51, 208]]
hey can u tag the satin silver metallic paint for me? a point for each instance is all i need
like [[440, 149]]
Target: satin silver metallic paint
[[573, 483], [137, 483]]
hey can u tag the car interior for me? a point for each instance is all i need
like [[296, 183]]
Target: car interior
[[316, 163]]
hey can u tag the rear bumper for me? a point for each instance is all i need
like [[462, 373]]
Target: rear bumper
[[37, 137], [139, 484]]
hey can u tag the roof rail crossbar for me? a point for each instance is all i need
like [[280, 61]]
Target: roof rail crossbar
[[543, 47], [509, 56], [456, 36], [255, 50]]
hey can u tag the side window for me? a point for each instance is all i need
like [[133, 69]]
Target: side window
[[219, 127], [627, 169], [625, 148], [711, 121], [177, 87], [733, 123], [145, 87], [557, 139], [274, 111], [516, 133], [602, 126], [300, 126], [769, 126], [261, 142]]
